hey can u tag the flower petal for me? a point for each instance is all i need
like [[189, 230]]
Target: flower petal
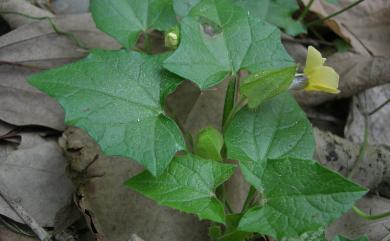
[[323, 78], [313, 60]]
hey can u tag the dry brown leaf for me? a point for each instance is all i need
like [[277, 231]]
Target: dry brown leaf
[[7, 235], [114, 211], [21, 104], [35, 173], [378, 122], [5, 128], [365, 26], [21, 6], [195, 109], [341, 155], [38, 46], [357, 73]]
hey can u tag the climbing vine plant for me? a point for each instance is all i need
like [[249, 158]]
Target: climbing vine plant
[[118, 97]]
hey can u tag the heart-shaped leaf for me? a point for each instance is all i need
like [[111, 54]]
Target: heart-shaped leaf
[[115, 97], [188, 184]]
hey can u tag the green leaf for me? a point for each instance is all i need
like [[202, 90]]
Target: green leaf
[[341, 238], [218, 39], [209, 143], [188, 185], [265, 85], [277, 12], [126, 19], [280, 13], [318, 235], [115, 97], [183, 7], [276, 129], [231, 232], [299, 196], [256, 8]]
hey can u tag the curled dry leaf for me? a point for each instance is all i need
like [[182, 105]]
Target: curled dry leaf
[[113, 211], [21, 6], [35, 174], [365, 26]]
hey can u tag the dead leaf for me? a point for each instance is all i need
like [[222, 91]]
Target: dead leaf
[[7, 235], [365, 26], [195, 109], [5, 128], [38, 46], [114, 211], [352, 226], [35, 173], [357, 73], [378, 122], [340, 155], [21, 6], [69, 6], [21, 104]]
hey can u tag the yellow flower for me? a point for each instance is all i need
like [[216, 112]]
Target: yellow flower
[[320, 77]]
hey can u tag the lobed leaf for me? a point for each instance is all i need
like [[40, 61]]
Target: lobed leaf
[[126, 19], [299, 196], [188, 185], [115, 97], [218, 39], [278, 128]]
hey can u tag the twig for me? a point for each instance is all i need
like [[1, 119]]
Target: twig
[[363, 146], [305, 11], [30, 221], [379, 107], [334, 14]]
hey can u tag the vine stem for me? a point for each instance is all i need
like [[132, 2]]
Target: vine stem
[[335, 13], [305, 11], [242, 102], [366, 216]]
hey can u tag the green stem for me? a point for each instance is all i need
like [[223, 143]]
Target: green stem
[[363, 146], [368, 216], [335, 13], [55, 28], [229, 98], [305, 11], [147, 43], [242, 102], [249, 199]]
